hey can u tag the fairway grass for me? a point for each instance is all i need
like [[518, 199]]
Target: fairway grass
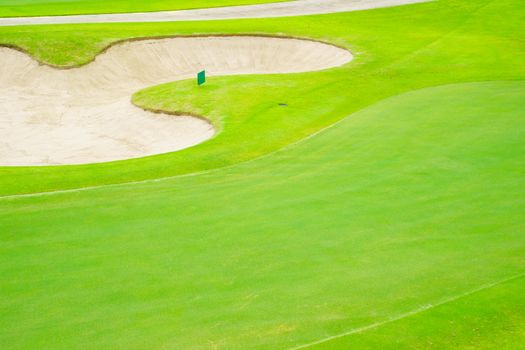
[[24, 8], [381, 208], [411, 201], [481, 319]]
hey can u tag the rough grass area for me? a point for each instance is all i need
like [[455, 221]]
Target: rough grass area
[[404, 219], [23, 8]]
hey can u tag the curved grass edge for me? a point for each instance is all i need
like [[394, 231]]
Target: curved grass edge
[[216, 129], [169, 112], [161, 37]]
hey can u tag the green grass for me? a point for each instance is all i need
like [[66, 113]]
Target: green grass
[[412, 200], [414, 197], [23, 8], [488, 319], [469, 42]]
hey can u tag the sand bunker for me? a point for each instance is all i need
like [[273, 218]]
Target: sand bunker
[[84, 115]]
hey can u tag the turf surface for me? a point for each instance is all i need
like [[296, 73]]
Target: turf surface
[[23, 8], [412, 200], [415, 198]]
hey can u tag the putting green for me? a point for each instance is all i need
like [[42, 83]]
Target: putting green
[[412, 201]]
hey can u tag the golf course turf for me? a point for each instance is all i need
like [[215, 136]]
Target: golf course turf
[[381, 208]]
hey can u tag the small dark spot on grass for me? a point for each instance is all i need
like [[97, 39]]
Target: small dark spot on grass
[[283, 104]]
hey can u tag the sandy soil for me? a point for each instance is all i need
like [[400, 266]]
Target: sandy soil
[[291, 8], [84, 115]]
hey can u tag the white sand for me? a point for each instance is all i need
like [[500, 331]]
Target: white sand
[[84, 115], [290, 8]]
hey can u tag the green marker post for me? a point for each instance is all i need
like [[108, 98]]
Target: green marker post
[[201, 77]]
